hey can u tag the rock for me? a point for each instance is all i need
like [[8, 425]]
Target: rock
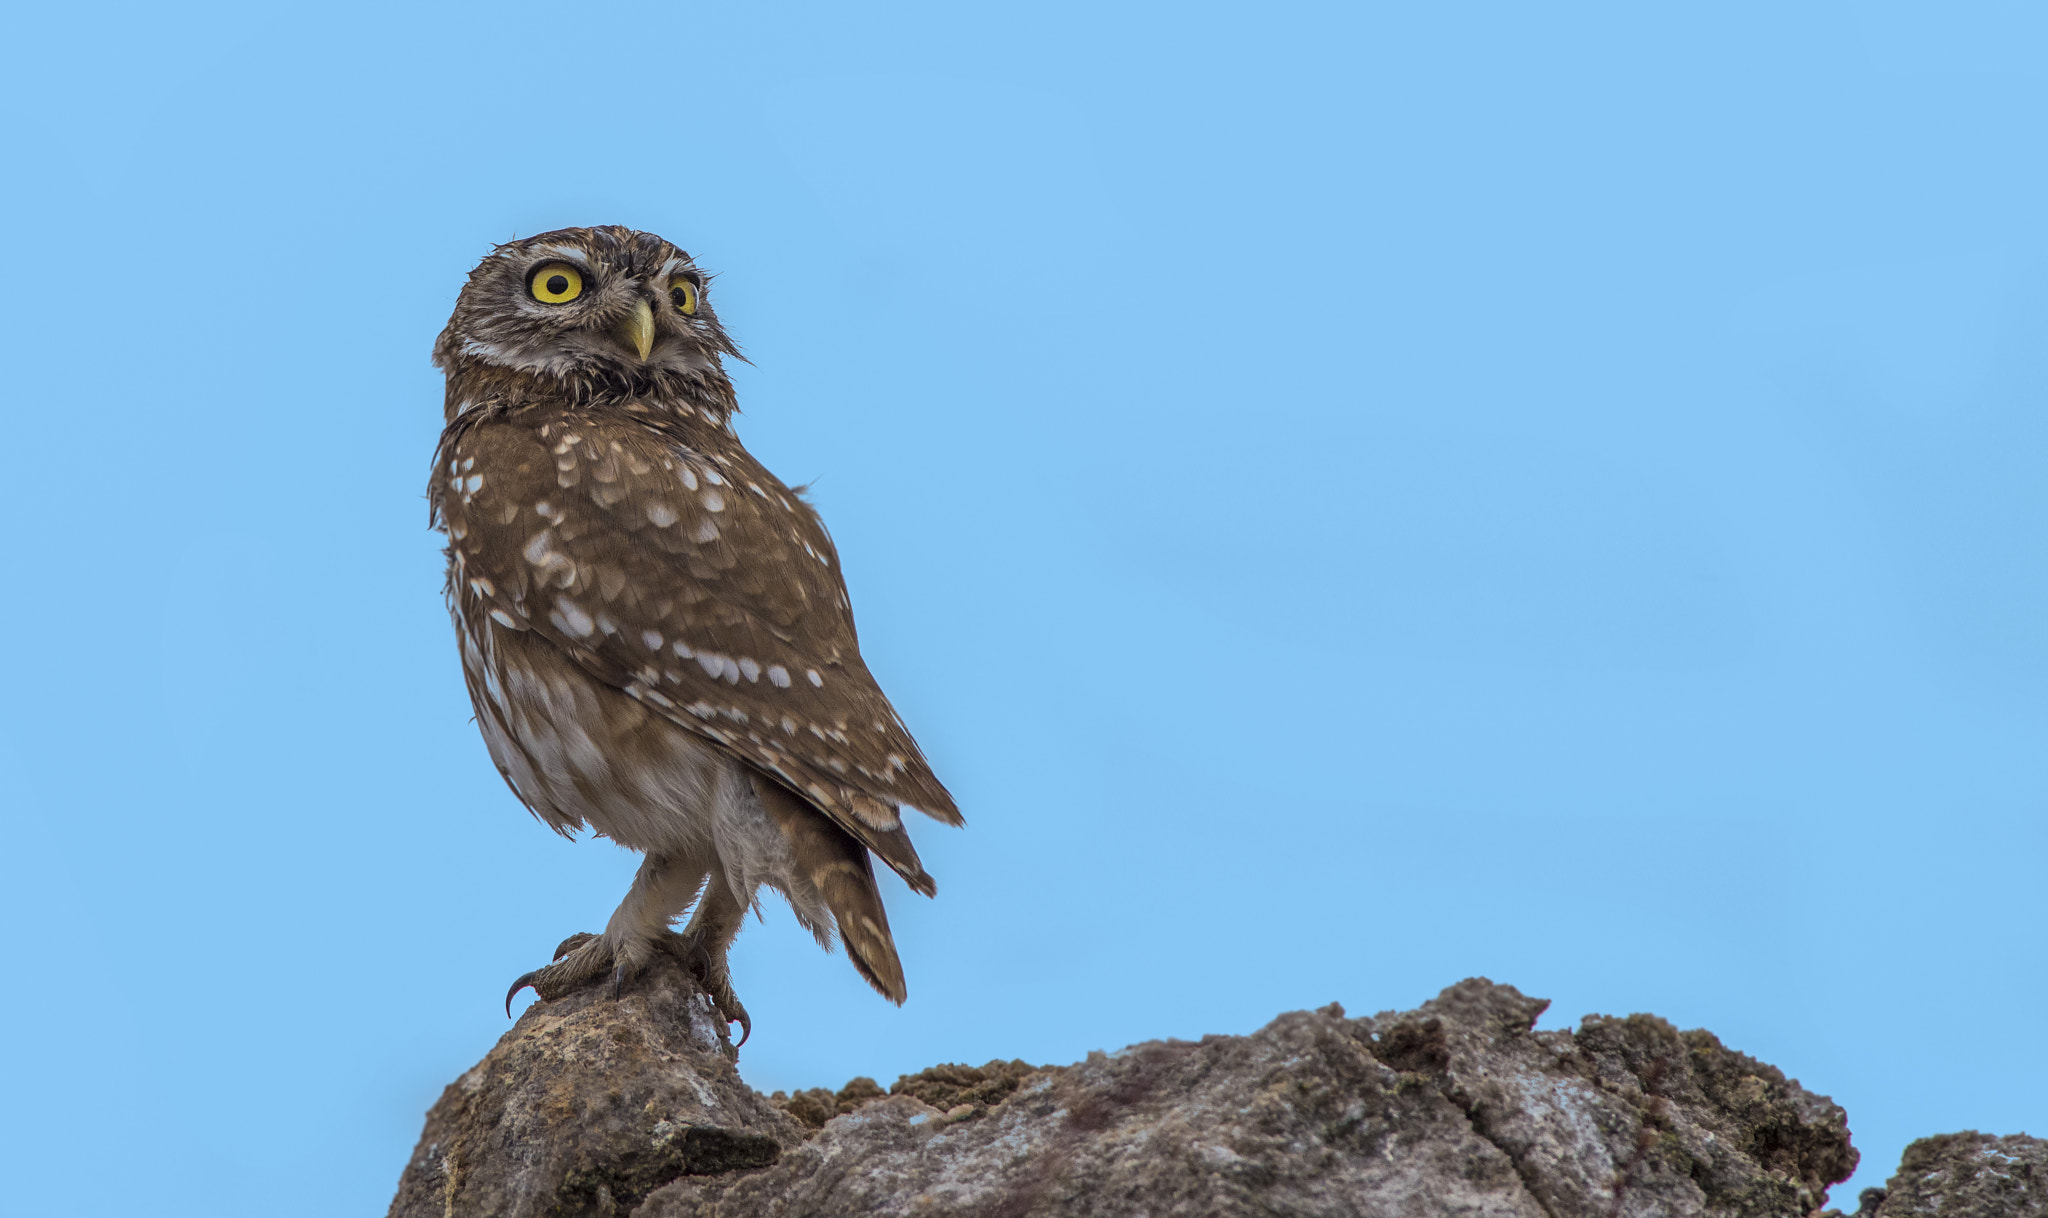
[[588, 1104], [1965, 1175], [1457, 1107], [946, 1088]]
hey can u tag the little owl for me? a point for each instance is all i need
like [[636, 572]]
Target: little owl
[[654, 630]]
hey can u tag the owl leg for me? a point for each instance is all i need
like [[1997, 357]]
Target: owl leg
[[703, 944], [664, 887]]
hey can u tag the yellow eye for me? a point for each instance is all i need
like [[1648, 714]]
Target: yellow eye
[[684, 294], [556, 283]]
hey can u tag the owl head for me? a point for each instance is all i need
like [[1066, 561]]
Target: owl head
[[587, 305]]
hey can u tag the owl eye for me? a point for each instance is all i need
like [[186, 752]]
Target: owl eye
[[556, 283], [684, 294]]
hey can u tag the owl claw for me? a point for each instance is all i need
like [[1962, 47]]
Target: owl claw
[[711, 973], [573, 942], [579, 958], [525, 980]]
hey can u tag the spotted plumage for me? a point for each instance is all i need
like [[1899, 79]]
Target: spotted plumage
[[654, 629]]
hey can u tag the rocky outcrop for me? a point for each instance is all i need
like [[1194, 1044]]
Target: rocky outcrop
[[1965, 1175], [588, 1105], [592, 1106]]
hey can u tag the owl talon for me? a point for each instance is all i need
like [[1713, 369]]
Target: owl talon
[[580, 958], [525, 980], [711, 973], [573, 942]]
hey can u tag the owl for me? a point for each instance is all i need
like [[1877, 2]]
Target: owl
[[654, 630]]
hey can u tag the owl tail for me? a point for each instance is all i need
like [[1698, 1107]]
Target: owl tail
[[838, 871]]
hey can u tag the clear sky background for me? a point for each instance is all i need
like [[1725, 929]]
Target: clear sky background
[[1350, 497]]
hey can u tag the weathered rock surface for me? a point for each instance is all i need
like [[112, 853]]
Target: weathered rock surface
[[596, 1107], [1965, 1175], [1455, 1108], [589, 1104]]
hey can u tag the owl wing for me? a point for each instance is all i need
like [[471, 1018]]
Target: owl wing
[[695, 582]]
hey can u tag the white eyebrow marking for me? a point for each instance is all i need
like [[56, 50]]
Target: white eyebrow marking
[[567, 253]]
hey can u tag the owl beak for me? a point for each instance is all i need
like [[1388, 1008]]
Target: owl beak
[[635, 331]]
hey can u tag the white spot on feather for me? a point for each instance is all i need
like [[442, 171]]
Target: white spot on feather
[[569, 618], [751, 668], [816, 680], [778, 676], [652, 638], [712, 501], [706, 532], [661, 514]]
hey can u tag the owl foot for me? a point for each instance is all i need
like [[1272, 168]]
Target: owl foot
[[579, 958], [583, 956], [709, 968]]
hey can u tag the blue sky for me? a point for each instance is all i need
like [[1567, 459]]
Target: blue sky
[[1349, 497]]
